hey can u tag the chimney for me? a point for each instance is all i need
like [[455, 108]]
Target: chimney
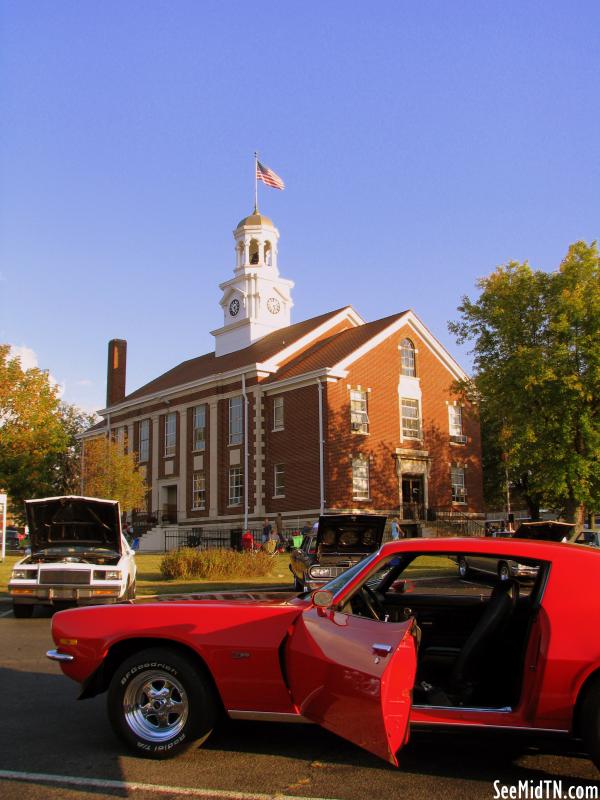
[[115, 375]]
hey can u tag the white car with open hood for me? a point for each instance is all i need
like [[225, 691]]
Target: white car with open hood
[[78, 556]]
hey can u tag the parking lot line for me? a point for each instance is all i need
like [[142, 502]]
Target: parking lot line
[[189, 791], [6, 613]]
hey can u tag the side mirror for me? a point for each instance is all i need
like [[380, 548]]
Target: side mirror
[[322, 598]]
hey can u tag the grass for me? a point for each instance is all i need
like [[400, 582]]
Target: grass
[[150, 580], [5, 571]]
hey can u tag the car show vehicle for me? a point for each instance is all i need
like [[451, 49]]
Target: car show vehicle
[[589, 537], [78, 555], [339, 542], [397, 641]]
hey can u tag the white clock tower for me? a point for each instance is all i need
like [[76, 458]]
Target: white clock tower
[[256, 301]]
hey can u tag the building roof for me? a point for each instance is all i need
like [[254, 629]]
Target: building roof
[[333, 349], [204, 366], [255, 219]]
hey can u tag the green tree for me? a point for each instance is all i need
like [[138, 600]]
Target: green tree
[[536, 353], [31, 431], [110, 473]]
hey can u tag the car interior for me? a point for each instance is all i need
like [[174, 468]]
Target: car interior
[[472, 634]]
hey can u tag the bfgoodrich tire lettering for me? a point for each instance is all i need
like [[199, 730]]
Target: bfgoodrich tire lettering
[[159, 704]]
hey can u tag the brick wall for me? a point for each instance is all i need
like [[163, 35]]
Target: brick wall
[[296, 447], [378, 371]]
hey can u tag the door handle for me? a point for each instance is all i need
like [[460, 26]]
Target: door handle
[[382, 649]]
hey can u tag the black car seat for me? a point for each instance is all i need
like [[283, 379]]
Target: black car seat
[[499, 609], [464, 678]]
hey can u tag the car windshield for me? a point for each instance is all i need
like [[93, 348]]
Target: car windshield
[[337, 584]]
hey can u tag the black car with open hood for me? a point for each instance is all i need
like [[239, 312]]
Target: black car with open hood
[[338, 542]]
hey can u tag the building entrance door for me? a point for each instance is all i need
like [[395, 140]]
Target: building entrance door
[[413, 497], [168, 512]]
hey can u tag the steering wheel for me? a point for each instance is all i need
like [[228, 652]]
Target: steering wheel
[[372, 602]]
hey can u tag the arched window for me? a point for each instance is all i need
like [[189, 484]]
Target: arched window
[[254, 251], [407, 354], [268, 254]]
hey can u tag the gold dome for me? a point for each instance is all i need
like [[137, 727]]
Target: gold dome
[[255, 219]]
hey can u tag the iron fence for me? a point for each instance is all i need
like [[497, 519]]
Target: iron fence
[[455, 523], [221, 538]]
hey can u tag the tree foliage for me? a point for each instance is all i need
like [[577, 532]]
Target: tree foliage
[[110, 473], [536, 353], [32, 434]]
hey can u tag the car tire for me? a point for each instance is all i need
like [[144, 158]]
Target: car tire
[[590, 723], [463, 567], [23, 610], [130, 593], [503, 571], [298, 585], [159, 704]]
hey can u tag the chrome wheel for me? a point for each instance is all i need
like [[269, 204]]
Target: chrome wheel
[[462, 568], [503, 571], [155, 706]]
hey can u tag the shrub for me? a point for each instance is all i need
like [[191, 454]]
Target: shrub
[[215, 564]]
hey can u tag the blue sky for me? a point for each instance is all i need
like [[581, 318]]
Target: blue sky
[[422, 144]]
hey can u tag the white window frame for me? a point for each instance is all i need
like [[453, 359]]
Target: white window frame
[[199, 427], [170, 434], [458, 484], [279, 480], [278, 418], [236, 419], [144, 441], [455, 424], [198, 491], [412, 431], [235, 486], [359, 416], [119, 437], [408, 363], [361, 489]]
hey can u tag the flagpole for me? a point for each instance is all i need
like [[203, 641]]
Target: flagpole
[[255, 182]]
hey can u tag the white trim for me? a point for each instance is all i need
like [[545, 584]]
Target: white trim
[[411, 319], [330, 375], [253, 370], [283, 355]]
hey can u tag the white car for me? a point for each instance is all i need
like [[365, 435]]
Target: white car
[[78, 556]]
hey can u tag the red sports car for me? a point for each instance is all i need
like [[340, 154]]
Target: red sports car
[[399, 640]]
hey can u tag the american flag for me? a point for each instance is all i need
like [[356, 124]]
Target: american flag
[[269, 177]]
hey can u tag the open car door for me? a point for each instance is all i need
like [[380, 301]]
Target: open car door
[[354, 676]]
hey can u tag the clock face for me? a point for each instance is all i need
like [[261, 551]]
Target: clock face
[[234, 307], [273, 305]]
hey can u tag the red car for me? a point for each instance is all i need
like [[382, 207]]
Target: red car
[[399, 640]]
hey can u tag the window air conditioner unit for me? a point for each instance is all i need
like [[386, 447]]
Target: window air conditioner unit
[[459, 439]]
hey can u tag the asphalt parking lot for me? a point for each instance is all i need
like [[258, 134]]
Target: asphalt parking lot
[[52, 746]]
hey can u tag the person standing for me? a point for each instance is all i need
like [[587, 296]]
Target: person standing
[[266, 531], [395, 529]]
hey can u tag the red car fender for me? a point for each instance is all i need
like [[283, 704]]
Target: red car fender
[[238, 641]]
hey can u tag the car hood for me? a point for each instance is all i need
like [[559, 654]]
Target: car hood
[[57, 522], [547, 531], [350, 533]]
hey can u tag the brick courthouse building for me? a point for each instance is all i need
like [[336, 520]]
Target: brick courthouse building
[[332, 413]]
